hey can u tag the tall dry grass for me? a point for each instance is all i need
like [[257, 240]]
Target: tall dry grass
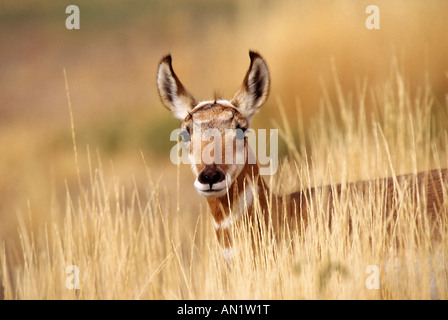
[[131, 242]]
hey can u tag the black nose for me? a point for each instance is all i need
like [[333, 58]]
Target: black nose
[[211, 175]]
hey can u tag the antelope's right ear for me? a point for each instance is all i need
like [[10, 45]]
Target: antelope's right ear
[[172, 93], [255, 88]]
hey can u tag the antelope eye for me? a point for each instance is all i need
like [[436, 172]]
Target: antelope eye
[[185, 135], [240, 133]]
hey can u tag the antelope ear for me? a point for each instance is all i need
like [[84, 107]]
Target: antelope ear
[[255, 88], [173, 94]]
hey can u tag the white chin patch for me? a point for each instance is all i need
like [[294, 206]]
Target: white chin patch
[[217, 190], [212, 193]]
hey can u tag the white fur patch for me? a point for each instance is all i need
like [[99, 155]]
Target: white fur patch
[[244, 201], [218, 189], [224, 224], [180, 110], [228, 254], [222, 102]]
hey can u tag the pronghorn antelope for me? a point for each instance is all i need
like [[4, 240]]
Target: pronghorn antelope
[[230, 187]]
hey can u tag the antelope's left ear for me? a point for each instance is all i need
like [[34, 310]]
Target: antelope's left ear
[[255, 88]]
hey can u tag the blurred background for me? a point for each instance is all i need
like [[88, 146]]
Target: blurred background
[[111, 64]]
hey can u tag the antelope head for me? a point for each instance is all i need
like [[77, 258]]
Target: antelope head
[[214, 131]]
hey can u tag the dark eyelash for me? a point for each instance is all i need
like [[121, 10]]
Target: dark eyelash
[[241, 128]]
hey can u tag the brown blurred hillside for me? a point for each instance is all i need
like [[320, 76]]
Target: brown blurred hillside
[[111, 66], [111, 60]]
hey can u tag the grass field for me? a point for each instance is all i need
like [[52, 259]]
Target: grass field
[[132, 242], [101, 195]]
